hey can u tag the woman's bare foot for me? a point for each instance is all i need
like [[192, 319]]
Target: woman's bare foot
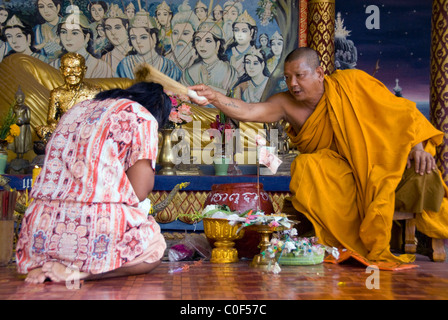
[[58, 272], [36, 276]]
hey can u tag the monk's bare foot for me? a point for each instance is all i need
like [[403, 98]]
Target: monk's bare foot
[[58, 272], [36, 276]]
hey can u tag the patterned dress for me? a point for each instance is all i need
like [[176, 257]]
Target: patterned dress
[[85, 213]]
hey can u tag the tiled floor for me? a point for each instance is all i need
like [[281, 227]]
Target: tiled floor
[[238, 281]]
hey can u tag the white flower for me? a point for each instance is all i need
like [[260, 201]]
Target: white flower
[[293, 232], [270, 253], [220, 215], [334, 252], [210, 207], [275, 268], [289, 246], [235, 217]]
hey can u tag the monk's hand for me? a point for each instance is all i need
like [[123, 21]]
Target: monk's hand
[[423, 161], [203, 91]]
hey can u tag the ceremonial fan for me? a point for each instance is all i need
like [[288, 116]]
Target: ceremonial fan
[[146, 72]]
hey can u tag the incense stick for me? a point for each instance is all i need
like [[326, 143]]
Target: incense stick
[[258, 186]]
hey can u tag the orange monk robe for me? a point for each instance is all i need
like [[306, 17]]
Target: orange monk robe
[[354, 149]]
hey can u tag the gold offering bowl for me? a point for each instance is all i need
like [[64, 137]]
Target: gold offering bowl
[[265, 231], [224, 235]]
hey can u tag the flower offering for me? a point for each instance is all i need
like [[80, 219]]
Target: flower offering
[[180, 113], [250, 218], [286, 248], [8, 128], [214, 212]]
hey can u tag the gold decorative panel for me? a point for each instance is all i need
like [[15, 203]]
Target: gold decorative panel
[[439, 78], [321, 23]]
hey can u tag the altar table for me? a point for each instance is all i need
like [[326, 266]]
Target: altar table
[[192, 198]]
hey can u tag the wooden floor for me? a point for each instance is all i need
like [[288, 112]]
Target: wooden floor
[[238, 281]]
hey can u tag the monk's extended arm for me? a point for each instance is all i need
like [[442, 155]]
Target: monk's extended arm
[[237, 109]]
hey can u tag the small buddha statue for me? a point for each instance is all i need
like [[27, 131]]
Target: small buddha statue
[[74, 90], [23, 142]]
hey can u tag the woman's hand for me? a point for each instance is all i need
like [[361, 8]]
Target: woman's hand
[[424, 161]]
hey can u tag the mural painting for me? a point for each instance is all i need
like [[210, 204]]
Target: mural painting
[[233, 46]]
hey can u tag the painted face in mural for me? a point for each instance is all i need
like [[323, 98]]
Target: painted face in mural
[[130, 13], [181, 41], [18, 41], [242, 33], [206, 46], [48, 10], [100, 30], [182, 35], [115, 31], [97, 12], [277, 47], [253, 66], [230, 14], [3, 15], [141, 40], [263, 41], [73, 39], [164, 17], [217, 15], [73, 71], [201, 13]]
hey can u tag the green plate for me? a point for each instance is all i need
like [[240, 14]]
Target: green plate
[[292, 260]]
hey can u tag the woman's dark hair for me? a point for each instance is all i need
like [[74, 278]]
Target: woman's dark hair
[[149, 94]]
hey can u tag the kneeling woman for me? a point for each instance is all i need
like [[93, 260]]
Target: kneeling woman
[[87, 215]]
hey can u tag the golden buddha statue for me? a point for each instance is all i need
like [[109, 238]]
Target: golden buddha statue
[[74, 90]]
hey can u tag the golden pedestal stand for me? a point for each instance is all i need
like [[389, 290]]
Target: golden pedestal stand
[[265, 231], [166, 156], [224, 235]]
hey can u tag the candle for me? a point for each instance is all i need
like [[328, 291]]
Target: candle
[[26, 198], [36, 172]]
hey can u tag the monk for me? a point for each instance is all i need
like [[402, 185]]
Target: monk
[[356, 139]]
